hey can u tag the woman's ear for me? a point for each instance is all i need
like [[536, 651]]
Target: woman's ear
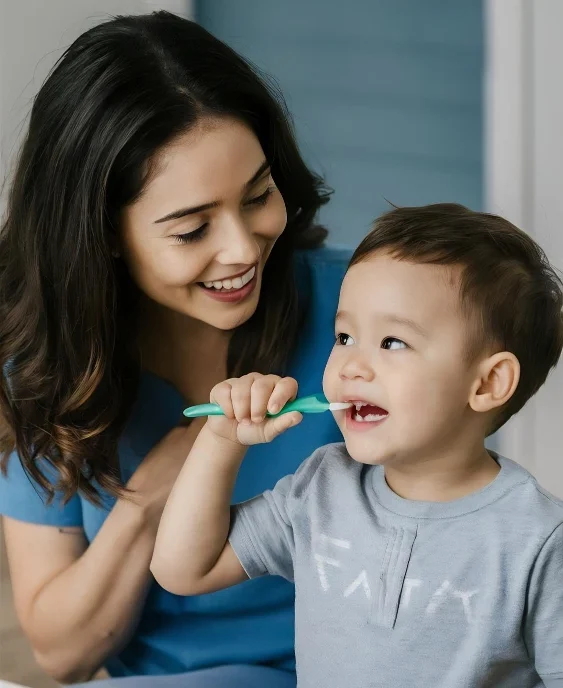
[[497, 379]]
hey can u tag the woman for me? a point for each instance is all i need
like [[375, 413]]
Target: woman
[[159, 238]]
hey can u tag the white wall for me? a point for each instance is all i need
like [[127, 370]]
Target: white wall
[[33, 34], [524, 178]]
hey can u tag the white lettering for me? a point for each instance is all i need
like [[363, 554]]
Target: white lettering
[[326, 540], [321, 570], [438, 597], [362, 580], [465, 598], [409, 585]]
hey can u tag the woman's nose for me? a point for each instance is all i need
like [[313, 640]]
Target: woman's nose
[[239, 245], [356, 367]]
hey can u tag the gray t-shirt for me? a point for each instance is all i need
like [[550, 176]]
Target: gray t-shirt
[[392, 593]]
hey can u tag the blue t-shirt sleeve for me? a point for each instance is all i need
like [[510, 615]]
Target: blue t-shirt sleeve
[[23, 500], [544, 620]]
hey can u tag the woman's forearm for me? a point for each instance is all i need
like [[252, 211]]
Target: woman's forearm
[[90, 610], [195, 523]]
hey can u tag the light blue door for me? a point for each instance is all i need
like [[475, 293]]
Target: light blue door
[[386, 95]]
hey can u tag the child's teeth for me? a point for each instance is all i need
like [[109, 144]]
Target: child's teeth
[[237, 283], [370, 418]]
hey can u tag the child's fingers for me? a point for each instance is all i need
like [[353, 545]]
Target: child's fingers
[[284, 391], [276, 426], [252, 396], [221, 394], [240, 395], [261, 391]]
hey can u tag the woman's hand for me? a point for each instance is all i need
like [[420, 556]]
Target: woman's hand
[[245, 402]]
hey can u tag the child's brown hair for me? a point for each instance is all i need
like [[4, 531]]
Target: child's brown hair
[[509, 292]]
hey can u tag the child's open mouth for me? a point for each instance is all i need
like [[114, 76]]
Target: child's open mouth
[[363, 416]]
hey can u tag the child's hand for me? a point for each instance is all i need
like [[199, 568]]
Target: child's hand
[[245, 402]]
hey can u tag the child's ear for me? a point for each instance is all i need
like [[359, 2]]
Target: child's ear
[[496, 382]]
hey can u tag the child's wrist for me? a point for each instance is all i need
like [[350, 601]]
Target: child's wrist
[[224, 447]]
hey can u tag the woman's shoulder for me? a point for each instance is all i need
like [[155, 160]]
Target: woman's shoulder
[[319, 273], [334, 259], [23, 499]]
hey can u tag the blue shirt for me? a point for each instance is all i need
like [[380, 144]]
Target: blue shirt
[[252, 623]]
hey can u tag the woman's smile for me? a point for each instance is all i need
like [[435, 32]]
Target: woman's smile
[[231, 289]]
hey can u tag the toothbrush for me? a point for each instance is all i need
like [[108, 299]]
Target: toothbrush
[[316, 403]]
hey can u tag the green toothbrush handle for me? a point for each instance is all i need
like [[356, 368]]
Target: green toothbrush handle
[[316, 403], [203, 410]]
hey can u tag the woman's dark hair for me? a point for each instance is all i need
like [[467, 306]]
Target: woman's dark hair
[[121, 92]]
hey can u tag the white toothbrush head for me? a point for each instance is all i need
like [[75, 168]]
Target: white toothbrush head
[[339, 406]]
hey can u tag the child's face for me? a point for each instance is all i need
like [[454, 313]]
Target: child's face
[[400, 348]]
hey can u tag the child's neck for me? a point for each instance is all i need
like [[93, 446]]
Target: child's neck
[[443, 478]]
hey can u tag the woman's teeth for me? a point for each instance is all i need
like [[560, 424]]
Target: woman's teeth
[[235, 283]]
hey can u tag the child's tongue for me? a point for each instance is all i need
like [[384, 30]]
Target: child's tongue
[[368, 410]]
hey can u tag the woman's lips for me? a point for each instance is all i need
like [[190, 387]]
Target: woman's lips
[[232, 295], [233, 281]]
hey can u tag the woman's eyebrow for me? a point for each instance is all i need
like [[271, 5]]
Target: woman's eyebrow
[[183, 212], [260, 172]]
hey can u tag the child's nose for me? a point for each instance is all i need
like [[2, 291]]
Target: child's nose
[[357, 367]]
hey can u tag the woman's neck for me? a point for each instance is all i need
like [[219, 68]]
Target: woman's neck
[[188, 353]]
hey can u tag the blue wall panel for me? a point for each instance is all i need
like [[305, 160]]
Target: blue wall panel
[[386, 95]]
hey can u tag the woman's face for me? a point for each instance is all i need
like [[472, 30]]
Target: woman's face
[[197, 239]]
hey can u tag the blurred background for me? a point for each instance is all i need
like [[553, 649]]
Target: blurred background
[[386, 96], [402, 101]]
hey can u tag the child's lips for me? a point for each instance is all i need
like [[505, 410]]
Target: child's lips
[[365, 408]]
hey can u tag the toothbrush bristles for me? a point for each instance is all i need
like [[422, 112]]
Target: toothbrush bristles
[[339, 406]]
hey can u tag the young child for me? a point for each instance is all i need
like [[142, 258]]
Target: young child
[[420, 559]]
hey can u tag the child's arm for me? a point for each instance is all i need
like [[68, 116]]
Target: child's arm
[[192, 555], [543, 626]]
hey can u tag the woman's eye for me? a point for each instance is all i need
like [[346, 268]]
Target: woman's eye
[[392, 343], [263, 198], [190, 237], [344, 339]]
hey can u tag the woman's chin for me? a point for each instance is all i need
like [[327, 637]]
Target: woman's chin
[[226, 316]]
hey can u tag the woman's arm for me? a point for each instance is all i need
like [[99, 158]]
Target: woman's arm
[[79, 604]]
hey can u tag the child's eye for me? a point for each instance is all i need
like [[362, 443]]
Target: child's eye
[[392, 344], [263, 198], [344, 339], [190, 237]]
